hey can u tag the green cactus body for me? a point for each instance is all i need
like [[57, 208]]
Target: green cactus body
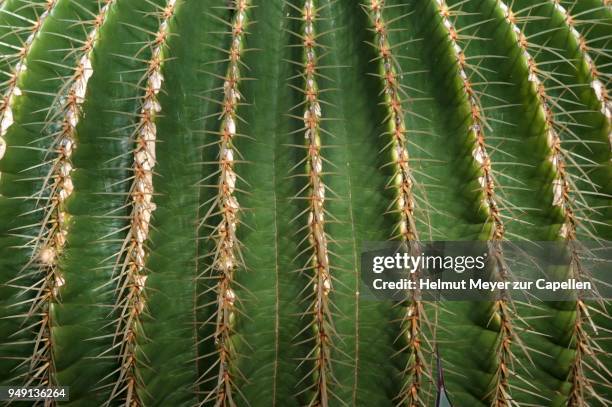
[[186, 187]]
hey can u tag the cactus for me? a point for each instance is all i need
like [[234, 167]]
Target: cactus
[[186, 185]]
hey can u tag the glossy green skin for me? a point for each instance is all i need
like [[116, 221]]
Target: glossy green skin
[[173, 341]]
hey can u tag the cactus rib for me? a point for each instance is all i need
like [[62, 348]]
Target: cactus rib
[[54, 232], [51, 238], [562, 199], [414, 315], [131, 281], [12, 90], [227, 257], [561, 184], [597, 82], [584, 343], [321, 279], [486, 180], [186, 222]]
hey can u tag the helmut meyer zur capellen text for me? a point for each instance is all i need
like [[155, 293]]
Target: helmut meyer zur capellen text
[[479, 284]]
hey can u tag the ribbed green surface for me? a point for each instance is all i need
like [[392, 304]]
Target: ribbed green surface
[[270, 340]]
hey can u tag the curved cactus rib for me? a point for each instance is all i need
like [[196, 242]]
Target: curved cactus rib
[[590, 166], [598, 81], [587, 75], [41, 363], [97, 207], [12, 89], [414, 316], [563, 196], [586, 362], [563, 181], [227, 257], [42, 226], [477, 124], [132, 276], [598, 84], [585, 345], [561, 185], [10, 86], [67, 105], [500, 394], [53, 233]]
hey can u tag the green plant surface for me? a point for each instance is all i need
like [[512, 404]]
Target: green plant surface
[[186, 187]]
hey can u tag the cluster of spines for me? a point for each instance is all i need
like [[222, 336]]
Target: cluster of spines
[[501, 392], [226, 256], [584, 346], [131, 299], [321, 278], [402, 181], [11, 89]]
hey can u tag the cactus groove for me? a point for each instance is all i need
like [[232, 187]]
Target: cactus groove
[[185, 186]]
